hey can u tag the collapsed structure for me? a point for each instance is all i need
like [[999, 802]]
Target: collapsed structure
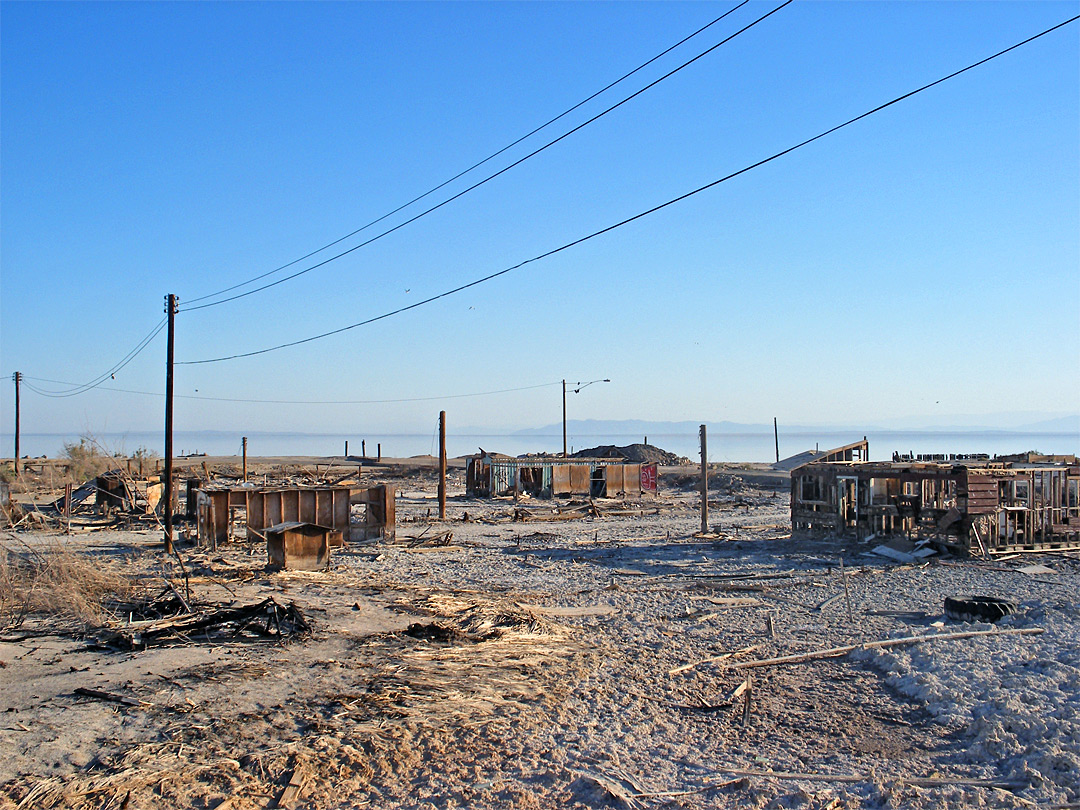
[[489, 474], [977, 505], [266, 509]]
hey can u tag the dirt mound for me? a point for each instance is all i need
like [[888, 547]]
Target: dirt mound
[[637, 453]]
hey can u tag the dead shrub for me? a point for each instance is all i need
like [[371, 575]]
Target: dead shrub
[[88, 459], [58, 582]]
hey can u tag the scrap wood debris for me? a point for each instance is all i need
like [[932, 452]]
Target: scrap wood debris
[[424, 540], [266, 619], [464, 620]]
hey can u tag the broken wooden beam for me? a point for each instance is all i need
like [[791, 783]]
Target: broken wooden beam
[[836, 652]]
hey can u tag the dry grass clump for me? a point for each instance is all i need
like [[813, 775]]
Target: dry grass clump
[[58, 582]]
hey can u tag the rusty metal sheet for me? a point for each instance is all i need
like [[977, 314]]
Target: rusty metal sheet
[[580, 477], [560, 479]]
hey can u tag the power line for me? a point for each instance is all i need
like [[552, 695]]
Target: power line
[[638, 216], [44, 393], [81, 388], [490, 177], [476, 165]]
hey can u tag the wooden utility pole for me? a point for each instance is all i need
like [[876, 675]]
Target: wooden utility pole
[[170, 311], [776, 437], [17, 376], [442, 465], [564, 418], [704, 482], [243, 443]]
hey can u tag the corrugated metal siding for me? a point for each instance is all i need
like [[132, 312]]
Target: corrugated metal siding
[[502, 477]]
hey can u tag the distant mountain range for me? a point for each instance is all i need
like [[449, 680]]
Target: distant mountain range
[[987, 423]]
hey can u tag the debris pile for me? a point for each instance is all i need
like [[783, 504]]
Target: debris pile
[[636, 453], [266, 619]]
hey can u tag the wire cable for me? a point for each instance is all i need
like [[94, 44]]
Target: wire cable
[[636, 216], [81, 388], [490, 177], [36, 390], [476, 165]]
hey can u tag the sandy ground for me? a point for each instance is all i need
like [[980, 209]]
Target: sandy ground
[[544, 664]]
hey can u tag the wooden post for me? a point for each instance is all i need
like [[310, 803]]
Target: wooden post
[[442, 465], [346, 448], [243, 443], [704, 482], [18, 380], [378, 452], [776, 436], [170, 309], [363, 446], [564, 418], [67, 507]]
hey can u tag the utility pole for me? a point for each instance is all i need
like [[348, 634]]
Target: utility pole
[[442, 465], [243, 442], [17, 376], [776, 437], [704, 482], [564, 418], [170, 311]]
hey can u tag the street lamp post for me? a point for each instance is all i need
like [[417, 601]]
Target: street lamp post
[[579, 385]]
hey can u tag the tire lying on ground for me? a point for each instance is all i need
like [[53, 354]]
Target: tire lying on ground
[[977, 608]]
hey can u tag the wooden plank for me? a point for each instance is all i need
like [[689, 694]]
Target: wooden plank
[[290, 797]]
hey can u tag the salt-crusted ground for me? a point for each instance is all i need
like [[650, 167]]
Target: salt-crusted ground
[[544, 676]]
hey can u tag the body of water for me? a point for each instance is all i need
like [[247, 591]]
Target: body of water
[[722, 447]]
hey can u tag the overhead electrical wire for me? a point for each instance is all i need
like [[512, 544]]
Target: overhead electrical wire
[[81, 388], [476, 165], [492, 176], [249, 401], [638, 216]]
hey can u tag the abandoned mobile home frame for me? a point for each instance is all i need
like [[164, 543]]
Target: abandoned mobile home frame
[[972, 506], [489, 474], [267, 508]]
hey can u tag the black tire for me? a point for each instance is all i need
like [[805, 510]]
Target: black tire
[[977, 608]]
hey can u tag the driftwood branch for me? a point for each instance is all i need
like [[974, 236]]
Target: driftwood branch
[[836, 652], [712, 659]]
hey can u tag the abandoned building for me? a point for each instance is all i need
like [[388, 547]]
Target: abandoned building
[[970, 507], [214, 509], [490, 474]]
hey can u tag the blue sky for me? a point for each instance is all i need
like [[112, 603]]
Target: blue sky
[[922, 261]]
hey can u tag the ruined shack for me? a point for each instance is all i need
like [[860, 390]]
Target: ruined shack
[[970, 507], [491, 474], [265, 507]]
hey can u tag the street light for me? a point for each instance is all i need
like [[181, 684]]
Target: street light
[[579, 386]]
